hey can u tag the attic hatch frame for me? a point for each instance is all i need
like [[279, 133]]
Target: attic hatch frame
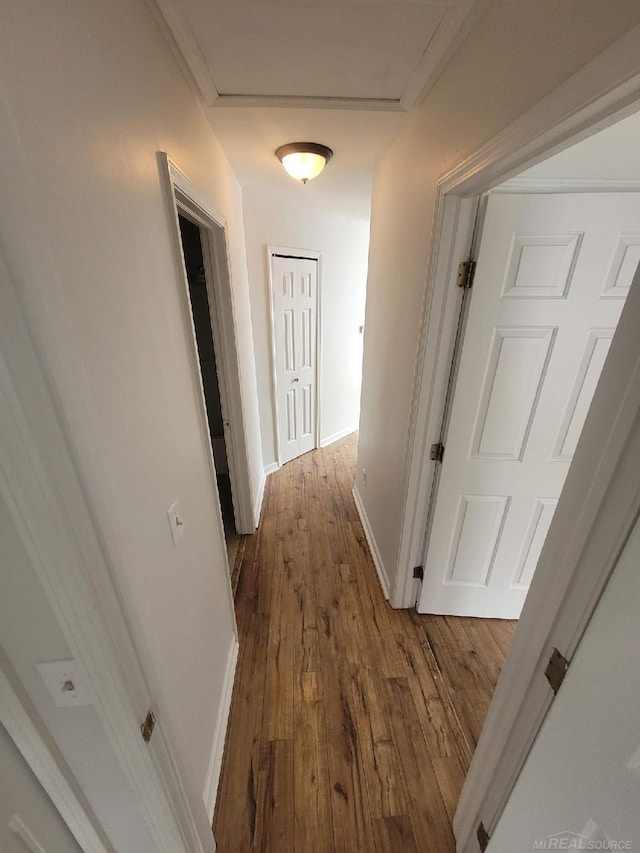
[[600, 506]]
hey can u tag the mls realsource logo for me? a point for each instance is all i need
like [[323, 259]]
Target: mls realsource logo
[[574, 841]]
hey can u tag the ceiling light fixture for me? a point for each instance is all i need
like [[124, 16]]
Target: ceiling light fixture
[[304, 160]]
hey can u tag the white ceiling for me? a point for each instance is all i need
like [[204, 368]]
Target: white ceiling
[[343, 73], [360, 50], [250, 136]]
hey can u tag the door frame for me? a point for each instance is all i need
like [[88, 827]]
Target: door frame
[[185, 198], [569, 579], [308, 254]]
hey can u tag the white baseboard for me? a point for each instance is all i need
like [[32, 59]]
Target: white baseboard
[[373, 545], [257, 507], [217, 750], [325, 442]]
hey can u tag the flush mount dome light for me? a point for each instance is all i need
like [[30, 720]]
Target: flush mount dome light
[[304, 160]]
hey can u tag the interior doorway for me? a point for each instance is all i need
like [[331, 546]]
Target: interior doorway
[[199, 289], [567, 583]]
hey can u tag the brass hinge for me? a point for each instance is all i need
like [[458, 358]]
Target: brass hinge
[[437, 452], [556, 670], [466, 272], [148, 726], [418, 573], [483, 837]]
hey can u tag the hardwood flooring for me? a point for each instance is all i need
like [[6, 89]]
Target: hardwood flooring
[[352, 724]]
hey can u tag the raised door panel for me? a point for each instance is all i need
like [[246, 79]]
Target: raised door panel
[[307, 411], [540, 266], [537, 530], [291, 419], [476, 537], [592, 362], [515, 372], [623, 265], [289, 341], [306, 336], [306, 286], [287, 284]]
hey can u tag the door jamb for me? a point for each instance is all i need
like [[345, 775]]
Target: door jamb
[[297, 253], [185, 198], [605, 90], [453, 236]]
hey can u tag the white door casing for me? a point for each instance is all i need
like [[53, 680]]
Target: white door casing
[[183, 197], [553, 271], [295, 314]]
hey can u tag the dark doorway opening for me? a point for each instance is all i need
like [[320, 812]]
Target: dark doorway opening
[[201, 313]]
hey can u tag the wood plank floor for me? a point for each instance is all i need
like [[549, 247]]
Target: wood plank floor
[[352, 724]]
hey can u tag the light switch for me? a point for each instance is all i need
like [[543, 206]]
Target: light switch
[[63, 681], [176, 522]]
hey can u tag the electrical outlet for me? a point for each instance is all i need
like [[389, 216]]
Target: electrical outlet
[[64, 683], [364, 476], [176, 521]]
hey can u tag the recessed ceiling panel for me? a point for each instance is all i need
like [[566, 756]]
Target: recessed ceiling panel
[[358, 49]]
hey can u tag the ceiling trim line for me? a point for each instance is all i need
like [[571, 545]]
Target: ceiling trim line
[[187, 44], [310, 102], [451, 32]]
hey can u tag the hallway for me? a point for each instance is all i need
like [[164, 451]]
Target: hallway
[[352, 725]]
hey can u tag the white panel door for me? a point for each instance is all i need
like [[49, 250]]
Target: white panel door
[[295, 291], [552, 275], [580, 786]]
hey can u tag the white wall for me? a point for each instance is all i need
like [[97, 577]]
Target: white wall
[[22, 796], [95, 92], [344, 243], [516, 54]]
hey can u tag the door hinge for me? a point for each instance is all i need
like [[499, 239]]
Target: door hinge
[[466, 272], [148, 726], [483, 837], [418, 573], [437, 452], [556, 670]]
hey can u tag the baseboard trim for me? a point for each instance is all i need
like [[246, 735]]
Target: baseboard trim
[[257, 507], [269, 469], [217, 750], [373, 545], [325, 442]]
